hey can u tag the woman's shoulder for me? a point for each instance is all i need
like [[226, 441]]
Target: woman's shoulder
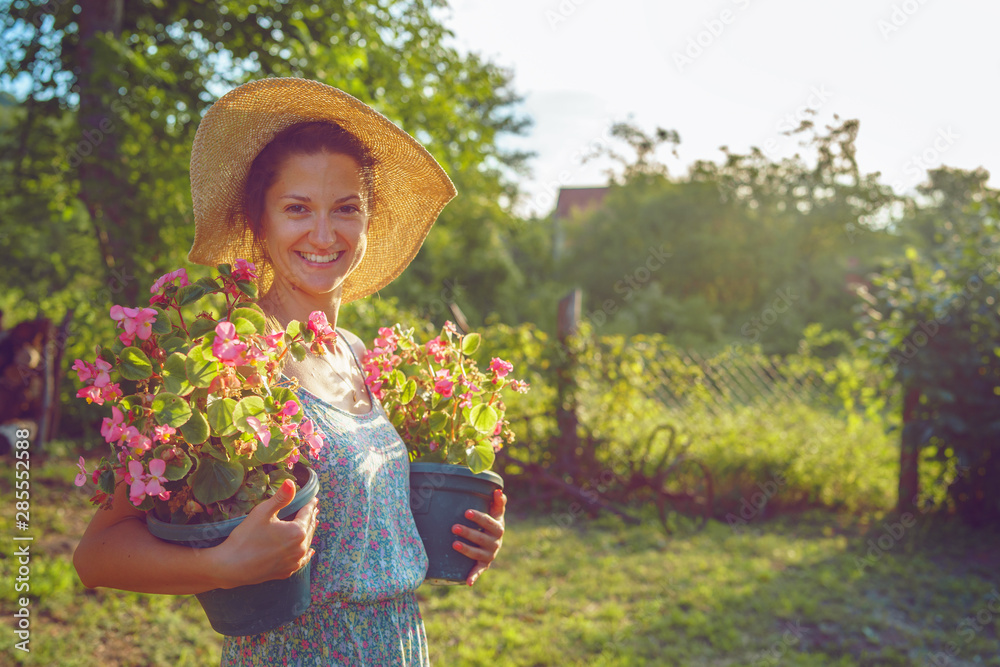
[[354, 341]]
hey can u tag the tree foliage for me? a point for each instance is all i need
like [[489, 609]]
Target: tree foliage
[[102, 99]]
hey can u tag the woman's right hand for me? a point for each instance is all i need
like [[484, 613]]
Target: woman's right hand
[[264, 547]]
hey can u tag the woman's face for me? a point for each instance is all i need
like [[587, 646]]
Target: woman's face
[[314, 222]]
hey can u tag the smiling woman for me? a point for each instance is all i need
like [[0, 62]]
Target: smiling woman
[[331, 201]]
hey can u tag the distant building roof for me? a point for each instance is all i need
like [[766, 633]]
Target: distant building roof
[[578, 199]]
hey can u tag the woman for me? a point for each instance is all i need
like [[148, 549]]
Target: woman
[[331, 201]]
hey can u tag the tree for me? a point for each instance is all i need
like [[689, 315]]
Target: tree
[[95, 199]]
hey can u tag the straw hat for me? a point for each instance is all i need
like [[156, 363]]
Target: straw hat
[[410, 187]]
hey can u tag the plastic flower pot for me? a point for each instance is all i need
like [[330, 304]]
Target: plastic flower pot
[[257, 608], [439, 496]]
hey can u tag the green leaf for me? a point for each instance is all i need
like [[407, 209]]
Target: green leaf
[[480, 457], [174, 375], [409, 391], [162, 324], [216, 480], [176, 342], [254, 316], [251, 406], [277, 450], [208, 284], [190, 294], [201, 326], [201, 367], [437, 421], [293, 328], [177, 466], [135, 365], [220, 416], [484, 418], [106, 482], [244, 327], [470, 343], [247, 288], [195, 430], [225, 269], [170, 409], [299, 351]]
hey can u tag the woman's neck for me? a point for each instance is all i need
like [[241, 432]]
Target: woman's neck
[[285, 302]]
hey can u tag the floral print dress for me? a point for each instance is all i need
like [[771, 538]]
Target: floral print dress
[[369, 558]]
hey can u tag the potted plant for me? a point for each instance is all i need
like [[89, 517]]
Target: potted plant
[[451, 415], [201, 429]]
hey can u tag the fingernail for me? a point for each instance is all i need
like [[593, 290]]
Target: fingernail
[[456, 529], [458, 545], [469, 514]]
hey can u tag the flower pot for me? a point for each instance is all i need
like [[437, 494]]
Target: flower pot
[[247, 610], [439, 496]]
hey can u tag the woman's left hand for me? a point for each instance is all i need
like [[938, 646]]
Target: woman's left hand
[[488, 542]]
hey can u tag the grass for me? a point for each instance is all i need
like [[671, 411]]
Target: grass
[[807, 589]]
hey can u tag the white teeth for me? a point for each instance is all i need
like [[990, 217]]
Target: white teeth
[[321, 259]]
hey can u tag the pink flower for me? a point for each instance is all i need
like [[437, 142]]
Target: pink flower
[[111, 392], [92, 394], [155, 479], [162, 433], [81, 477], [135, 321], [319, 325], [437, 348], [449, 326], [112, 427], [520, 386], [137, 487], [227, 347], [500, 367], [272, 340], [137, 441], [102, 369], [288, 430], [466, 401], [293, 458], [254, 354], [244, 270], [84, 370], [432, 446], [290, 409], [386, 341], [444, 387], [263, 432], [313, 439], [167, 279]]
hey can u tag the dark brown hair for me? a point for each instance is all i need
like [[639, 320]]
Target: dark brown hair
[[303, 139]]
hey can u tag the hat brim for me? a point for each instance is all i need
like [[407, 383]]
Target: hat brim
[[410, 187]]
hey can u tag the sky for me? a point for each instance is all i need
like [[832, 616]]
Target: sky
[[920, 75]]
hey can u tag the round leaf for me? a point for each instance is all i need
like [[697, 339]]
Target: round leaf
[[254, 316], [170, 409], [480, 457], [216, 480], [484, 418], [195, 430], [409, 391], [175, 375], [437, 421], [244, 327], [470, 343], [251, 406], [135, 365], [162, 324], [201, 367], [220, 416]]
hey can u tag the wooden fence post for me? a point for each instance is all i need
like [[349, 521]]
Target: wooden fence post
[[566, 419]]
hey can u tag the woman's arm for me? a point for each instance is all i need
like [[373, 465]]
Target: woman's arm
[[118, 551]]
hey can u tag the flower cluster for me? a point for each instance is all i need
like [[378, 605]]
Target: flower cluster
[[445, 408], [207, 429]]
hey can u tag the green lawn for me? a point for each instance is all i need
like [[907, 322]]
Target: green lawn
[[792, 591]]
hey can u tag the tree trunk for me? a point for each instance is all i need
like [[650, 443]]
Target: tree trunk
[[102, 190], [909, 455]]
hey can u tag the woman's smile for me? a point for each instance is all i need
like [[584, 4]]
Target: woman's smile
[[315, 222]]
